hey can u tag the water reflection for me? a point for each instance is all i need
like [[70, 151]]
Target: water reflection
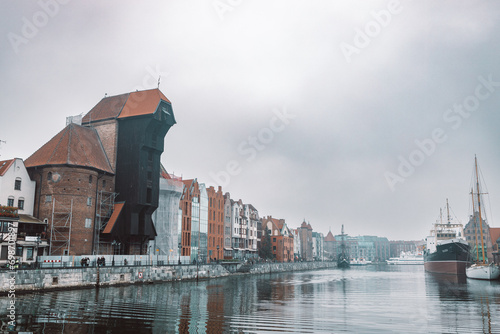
[[375, 299]]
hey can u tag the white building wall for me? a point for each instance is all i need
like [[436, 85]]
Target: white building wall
[[27, 192]]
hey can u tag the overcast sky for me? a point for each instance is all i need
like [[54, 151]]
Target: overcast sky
[[362, 113]]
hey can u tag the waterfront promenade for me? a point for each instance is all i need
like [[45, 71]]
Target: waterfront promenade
[[72, 277]]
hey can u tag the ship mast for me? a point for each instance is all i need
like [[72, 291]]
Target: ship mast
[[475, 222], [448, 211], [479, 208]]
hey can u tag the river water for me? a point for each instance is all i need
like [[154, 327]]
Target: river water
[[370, 299]]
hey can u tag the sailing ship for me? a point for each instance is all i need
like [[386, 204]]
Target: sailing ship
[[447, 251], [343, 257], [481, 269]]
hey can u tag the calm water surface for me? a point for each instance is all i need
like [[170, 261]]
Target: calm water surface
[[371, 299]]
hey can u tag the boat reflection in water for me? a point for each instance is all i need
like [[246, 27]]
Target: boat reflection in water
[[459, 296]]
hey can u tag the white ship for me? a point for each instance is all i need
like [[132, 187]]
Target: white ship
[[407, 258]]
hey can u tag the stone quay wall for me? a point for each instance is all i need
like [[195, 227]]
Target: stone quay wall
[[83, 277]]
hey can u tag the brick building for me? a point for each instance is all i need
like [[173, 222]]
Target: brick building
[[281, 238], [190, 206], [70, 171], [215, 222], [98, 182], [306, 242]]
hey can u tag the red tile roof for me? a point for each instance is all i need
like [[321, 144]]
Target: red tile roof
[[75, 145], [5, 165], [329, 236], [126, 105]]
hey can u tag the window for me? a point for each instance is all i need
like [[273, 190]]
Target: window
[[49, 176], [29, 253], [20, 204], [48, 198], [89, 201], [19, 251], [10, 201], [103, 183], [88, 223], [17, 184], [90, 178], [149, 195]]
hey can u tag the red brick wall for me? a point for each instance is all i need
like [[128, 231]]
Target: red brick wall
[[71, 189], [215, 223]]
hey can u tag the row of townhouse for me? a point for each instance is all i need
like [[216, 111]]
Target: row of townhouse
[[201, 224]]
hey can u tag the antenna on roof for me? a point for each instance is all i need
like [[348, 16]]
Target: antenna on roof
[[159, 77], [2, 141]]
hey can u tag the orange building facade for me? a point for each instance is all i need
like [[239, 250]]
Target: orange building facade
[[215, 223]]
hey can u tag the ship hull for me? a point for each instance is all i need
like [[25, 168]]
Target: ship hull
[[343, 264], [449, 258]]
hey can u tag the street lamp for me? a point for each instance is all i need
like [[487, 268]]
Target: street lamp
[[114, 244], [36, 258], [180, 245]]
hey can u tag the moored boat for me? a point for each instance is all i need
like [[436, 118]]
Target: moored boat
[[447, 252], [343, 257], [360, 262], [481, 269], [407, 258]]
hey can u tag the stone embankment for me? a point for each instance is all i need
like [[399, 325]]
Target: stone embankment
[[82, 277]]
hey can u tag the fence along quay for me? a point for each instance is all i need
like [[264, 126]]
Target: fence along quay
[[69, 272]]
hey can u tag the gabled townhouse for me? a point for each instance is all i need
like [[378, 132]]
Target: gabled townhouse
[[228, 234], [318, 246], [16, 187], [215, 223], [203, 228], [252, 236], [239, 230], [296, 244], [17, 192], [330, 247], [472, 233], [281, 239], [190, 206]]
